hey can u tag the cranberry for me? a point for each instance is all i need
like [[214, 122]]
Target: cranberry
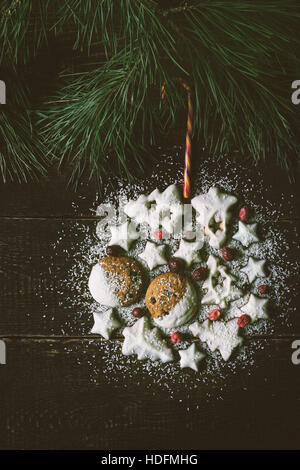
[[138, 312], [214, 315], [244, 214], [175, 265], [262, 289], [227, 254], [199, 274], [189, 235], [176, 338], [243, 320], [113, 250], [158, 235]]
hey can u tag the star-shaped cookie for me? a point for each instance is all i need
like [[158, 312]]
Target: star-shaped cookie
[[254, 268], [154, 255], [219, 294], [157, 209], [218, 335], [256, 308], [191, 357], [105, 323], [213, 209], [123, 235], [189, 251], [138, 209], [146, 342], [246, 234]]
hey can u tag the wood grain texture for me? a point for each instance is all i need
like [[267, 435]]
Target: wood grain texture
[[49, 400], [56, 392], [34, 298]]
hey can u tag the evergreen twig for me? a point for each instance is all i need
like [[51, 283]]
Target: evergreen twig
[[239, 56]]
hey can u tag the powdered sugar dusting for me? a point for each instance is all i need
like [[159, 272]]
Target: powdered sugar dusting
[[278, 245]]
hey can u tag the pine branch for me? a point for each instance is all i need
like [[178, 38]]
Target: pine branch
[[22, 155], [239, 56]]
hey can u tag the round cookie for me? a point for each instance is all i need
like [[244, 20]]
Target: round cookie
[[116, 281], [171, 300]]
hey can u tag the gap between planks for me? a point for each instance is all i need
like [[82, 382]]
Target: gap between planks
[[47, 338]]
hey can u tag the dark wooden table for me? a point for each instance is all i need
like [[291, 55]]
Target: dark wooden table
[[47, 398]]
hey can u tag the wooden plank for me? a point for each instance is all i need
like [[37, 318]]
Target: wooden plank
[[34, 297], [58, 394], [52, 197]]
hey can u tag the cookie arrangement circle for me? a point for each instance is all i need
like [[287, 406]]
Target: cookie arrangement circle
[[198, 290]]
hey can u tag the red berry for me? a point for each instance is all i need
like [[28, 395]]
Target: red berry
[[176, 338], [244, 214], [113, 250], [175, 265], [227, 254], [137, 312], [199, 274], [214, 315], [243, 320], [262, 289], [189, 235], [158, 234]]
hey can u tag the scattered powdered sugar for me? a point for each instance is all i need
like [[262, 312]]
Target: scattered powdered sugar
[[278, 246]]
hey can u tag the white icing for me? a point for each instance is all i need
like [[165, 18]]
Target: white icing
[[254, 269], [138, 209], [189, 251], [191, 357], [123, 235], [105, 323], [146, 342], [154, 255], [213, 210], [219, 335], [256, 308], [219, 294], [246, 234], [182, 312], [101, 289], [157, 209]]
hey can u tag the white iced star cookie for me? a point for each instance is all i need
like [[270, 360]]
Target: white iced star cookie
[[154, 255], [167, 208], [219, 294], [189, 251], [146, 342], [213, 213], [219, 335], [191, 357], [246, 234], [123, 235], [105, 323], [254, 268], [157, 209], [138, 209], [256, 308]]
